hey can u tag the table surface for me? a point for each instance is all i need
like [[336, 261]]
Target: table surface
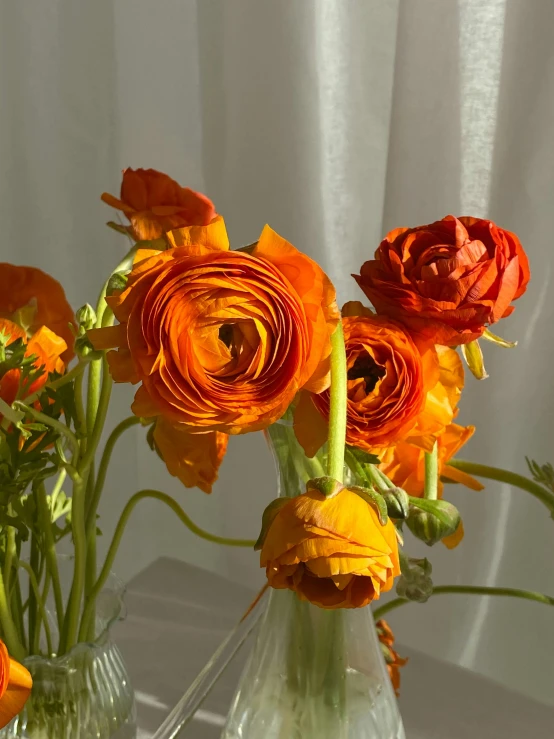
[[178, 615]]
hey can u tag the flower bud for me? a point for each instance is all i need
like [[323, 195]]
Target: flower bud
[[415, 583], [86, 317], [397, 502], [432, 520]]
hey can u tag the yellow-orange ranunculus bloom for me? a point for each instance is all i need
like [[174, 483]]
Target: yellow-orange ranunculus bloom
[[333, 552], [154, 203], [392, 659], [221, 340], [31, 298], [193, 458], [45, 346], [15, 686]]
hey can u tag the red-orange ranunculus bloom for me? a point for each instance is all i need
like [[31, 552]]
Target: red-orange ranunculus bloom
[[193, 458], [448, 280], [155, 204], [32, 299], [15, 686], [48, 349], [333, 552], [221, 340], [388, 381], [392, 659]]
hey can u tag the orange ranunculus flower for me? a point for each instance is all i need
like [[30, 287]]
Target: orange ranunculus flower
[[388, 381], [448, 280], [193, 458], [31, 298], [15, 686], [392, 659], [333, 552], [45, 346], [155, 204], [221, 340]]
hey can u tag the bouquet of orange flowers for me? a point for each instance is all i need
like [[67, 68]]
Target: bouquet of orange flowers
[[221, 342]]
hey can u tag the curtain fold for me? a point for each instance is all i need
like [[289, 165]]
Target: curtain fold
[[333, 121]]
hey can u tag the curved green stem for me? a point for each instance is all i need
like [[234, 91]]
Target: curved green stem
[[338, 405], [512, 478], [120, 528], [92, 504], [43, 616], [468, 590], [431, 474]]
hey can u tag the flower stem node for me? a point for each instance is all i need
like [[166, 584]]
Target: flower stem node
[[415, 582], [432, 520], [327, 486], [397, 501]]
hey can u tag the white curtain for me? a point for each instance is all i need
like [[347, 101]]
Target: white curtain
[[334, 121]]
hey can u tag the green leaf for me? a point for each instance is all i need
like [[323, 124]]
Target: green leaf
[[543, 474], [363, 457]]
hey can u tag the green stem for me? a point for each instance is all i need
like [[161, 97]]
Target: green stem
[[71, 621], [501, 475], [93, 503], [79, 408], [431, 474], [338, 405], [45, 520], [99, 416], [120, 528], [468, 590], [8, 562], [15, 648], [43, 616], [33, 622]]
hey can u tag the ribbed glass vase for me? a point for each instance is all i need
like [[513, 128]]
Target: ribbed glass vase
[[84, 694], [313, 673]]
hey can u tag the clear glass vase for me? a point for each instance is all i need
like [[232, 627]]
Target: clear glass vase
[[84, 694], [313, 673]]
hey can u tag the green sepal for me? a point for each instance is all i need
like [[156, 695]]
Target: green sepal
[[117, 283], [498, 340], [397, 502], [268, 517], [474, 359], [327, 486], [373, 499]]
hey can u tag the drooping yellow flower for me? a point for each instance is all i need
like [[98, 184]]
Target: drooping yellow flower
[[332, 551]]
